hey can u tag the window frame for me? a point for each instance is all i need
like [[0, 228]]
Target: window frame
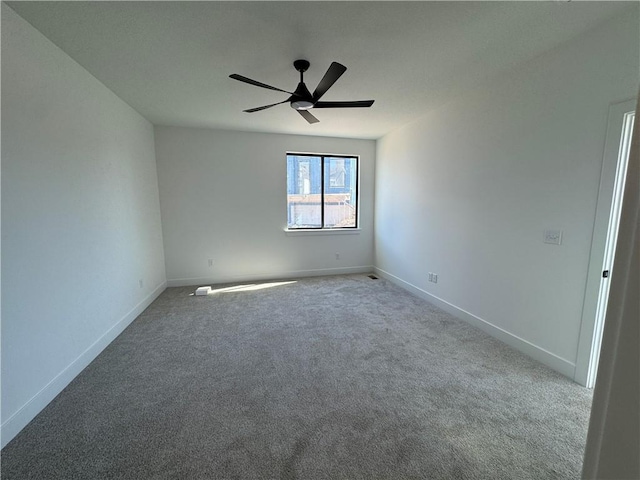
[[351, 229]]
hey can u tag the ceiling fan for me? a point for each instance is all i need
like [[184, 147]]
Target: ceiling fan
[[301, 99]]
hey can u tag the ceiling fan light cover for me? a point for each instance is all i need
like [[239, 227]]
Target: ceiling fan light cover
[[301, 105]]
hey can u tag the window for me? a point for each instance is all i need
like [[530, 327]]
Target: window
[[322, 191]]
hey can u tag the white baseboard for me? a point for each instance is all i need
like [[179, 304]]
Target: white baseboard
[[557, 363], [16, 422], [187, 282]]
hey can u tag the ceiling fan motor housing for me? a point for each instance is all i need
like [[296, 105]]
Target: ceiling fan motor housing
[[302, 98]]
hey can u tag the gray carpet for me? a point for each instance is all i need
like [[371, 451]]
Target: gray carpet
[[325, 378]]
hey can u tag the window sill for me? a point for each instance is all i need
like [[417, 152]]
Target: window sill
[[327, 231]]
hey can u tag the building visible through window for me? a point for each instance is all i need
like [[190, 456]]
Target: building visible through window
[[322, 191], [337, 173]]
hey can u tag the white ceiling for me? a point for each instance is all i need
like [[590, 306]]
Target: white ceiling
[[171, 60]]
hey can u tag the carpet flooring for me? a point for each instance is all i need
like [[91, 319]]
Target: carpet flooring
[[339, 377]]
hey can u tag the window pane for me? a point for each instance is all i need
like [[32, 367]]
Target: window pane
[[304, 179], [340, 184]]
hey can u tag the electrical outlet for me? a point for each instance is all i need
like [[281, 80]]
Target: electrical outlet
[[430, 277], [435, 278], [141, 283], [337, 256], [210, 262]]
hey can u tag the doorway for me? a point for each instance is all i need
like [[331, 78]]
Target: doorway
[[603, 244]]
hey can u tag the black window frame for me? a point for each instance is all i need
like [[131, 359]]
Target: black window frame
[[322, 157]]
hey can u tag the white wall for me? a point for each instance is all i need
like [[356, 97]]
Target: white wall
[[223, 197], [80, 220], [467, 191]]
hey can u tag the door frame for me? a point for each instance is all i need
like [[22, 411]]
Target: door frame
[[601, 256]]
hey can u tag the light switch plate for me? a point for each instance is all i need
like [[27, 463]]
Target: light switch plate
[[553, 237]]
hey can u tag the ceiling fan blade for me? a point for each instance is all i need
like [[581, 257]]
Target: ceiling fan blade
[[240, 78], [307, 116], [357, 103], [334, 72], [264, 107]]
